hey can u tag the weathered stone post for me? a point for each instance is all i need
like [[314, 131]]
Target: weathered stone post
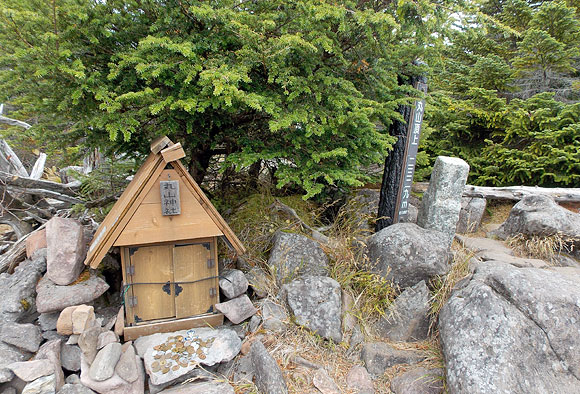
[[442, 201]]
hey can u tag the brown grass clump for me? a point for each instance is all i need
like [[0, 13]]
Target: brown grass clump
[[546, 248]]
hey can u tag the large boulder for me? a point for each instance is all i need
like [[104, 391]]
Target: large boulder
[[52, 297], [408, 317], [18, 295], [407, 254], [540, 215], [294, 255], [442, 200], [66, 250], [315, 302], [512, 330]]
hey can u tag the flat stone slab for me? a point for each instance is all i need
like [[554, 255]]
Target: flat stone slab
[[238, 309], [32, 370], [171, 355], [52, 297]]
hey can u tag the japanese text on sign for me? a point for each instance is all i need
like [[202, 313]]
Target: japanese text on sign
[[170, 204]]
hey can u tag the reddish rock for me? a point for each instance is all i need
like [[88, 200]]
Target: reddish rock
[[35, 241], [65, 250]]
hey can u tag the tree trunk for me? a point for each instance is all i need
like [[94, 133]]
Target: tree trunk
[[198, 164]]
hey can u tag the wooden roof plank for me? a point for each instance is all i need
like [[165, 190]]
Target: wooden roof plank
[[172, 153], [160, 143]]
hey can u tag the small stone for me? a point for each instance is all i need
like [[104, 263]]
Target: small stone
[[88, 343], [244, 369], [103, 366], [127, 368], [75, 388], [324, 383], [255, 322], [43, 385], [268, 375], [105, 338], [258, 281], [378, 356], [274, 316], [70, 357], [73, 379], [418, 381], [35, 241], [24, 336], [51, 351], [472, 210], [32, 370], [64, 324], [9, 355], [358, 378], [120, 322], [47, 321], [65, 250], [83, 317], [213, 387], [73, 339], [348, 316], [113, 385], [238, 309], [233, 283]]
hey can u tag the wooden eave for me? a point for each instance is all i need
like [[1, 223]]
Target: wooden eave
[[124, 209]]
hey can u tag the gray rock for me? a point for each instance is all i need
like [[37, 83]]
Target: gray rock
[[51, 297], [43, 385], [50, 335], [378, 356], [359, 379], [193, 375], [233, 283], [73, 379], [472, 210], [238, 309], [88, 342], [268, 375], [418, 381], [70, 357], [407, 254], [214, 387], [274, 316], [47, 321], [24, 336], [73, 339], [105, 338], [408, 317], [18, 295], [65, 250], [127, 368], [75, 389], [516, 317], [324, 383], [258, 281], [540, 215], [9, 390], [216, 345], [411, 215], [244, 369], [356, 337], [103, 366], [442, 200], [51, 351], [255, 322], [315, 302], [113, 385], [9, 355], [32, 370], [294, 255]]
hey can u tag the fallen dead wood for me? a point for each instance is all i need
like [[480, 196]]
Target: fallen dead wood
[[16, 254], [514, 193], [316, 234], [69, 189]]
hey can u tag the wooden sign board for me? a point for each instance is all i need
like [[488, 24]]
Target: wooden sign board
[[410, 158], [170, 203]]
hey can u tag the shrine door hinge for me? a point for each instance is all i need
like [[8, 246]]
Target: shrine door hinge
[[212, 292], [131, 270], [210, 263], [132, 301]]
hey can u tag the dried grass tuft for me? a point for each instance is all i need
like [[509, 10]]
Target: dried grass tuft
[[546, 248]]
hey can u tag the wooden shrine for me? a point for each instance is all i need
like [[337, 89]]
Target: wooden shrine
[[167, 231]]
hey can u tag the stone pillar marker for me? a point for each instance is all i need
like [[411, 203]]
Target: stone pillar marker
[[442, 201]]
